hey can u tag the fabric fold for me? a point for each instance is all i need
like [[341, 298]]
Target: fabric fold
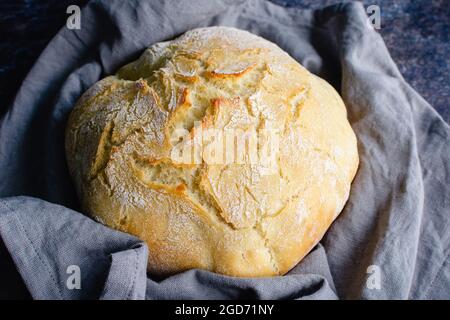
[[52, 246]]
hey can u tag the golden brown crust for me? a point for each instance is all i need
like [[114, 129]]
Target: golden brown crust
[[233, 216]]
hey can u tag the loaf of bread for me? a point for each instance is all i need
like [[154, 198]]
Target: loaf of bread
[[217, 149]]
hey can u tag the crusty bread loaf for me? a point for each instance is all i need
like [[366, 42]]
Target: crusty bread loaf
[[224, 210]]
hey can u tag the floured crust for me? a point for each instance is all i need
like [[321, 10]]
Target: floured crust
[[237, 218]]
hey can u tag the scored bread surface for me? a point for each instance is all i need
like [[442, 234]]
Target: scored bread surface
[[238, 219]]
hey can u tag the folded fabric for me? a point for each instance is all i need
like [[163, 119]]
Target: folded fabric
[[391, 240]]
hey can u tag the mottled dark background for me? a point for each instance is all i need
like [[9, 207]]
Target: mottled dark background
[[415, 31]]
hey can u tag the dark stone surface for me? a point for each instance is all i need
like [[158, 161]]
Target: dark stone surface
[[415, 31], [26, 27]]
